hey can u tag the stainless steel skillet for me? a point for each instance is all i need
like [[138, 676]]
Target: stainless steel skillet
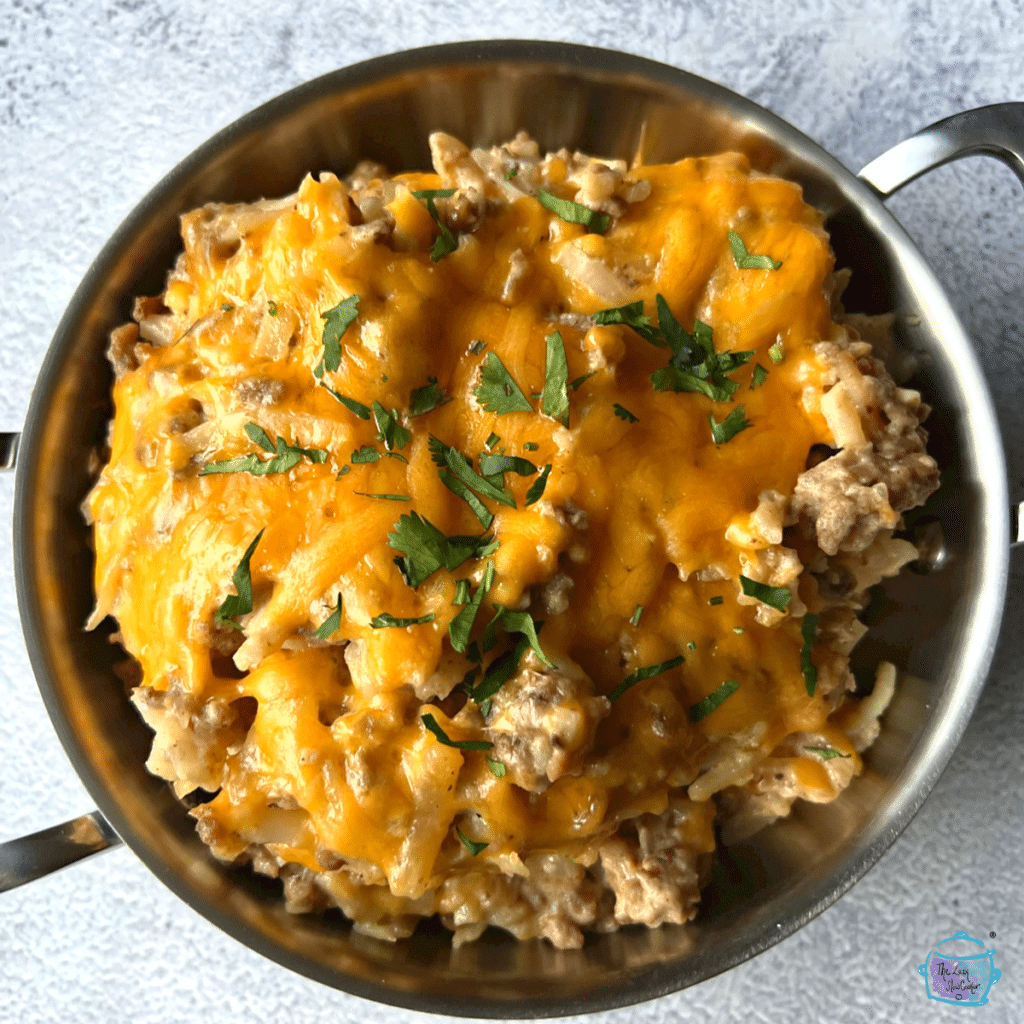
[[940, 627]]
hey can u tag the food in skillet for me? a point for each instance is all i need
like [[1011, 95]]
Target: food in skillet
[[482, 536]]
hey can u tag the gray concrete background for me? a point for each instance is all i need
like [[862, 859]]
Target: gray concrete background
[[99, 100]]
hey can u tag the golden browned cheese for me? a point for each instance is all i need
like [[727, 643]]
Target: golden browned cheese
[[631, 513]]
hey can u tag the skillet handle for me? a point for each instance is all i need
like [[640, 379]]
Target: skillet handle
[[996, 131], [30, 857]]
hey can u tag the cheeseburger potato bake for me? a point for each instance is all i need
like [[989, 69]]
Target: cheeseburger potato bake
[[485, 539]]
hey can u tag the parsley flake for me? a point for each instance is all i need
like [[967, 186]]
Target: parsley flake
[[460, 467], [729, 427], [775, 597], [637, 615], [497, 768], [226, 307], [491, 441], [350, 403], [497, 392], [516, 622], [445, 243], [530, 446], [239, 603], [476, 347], [644, 673], [777, 352], [491, 465], [470, 844], [389, 430], [388, 621], [758, 377], [365, 454], [330, 625], [826, 753], [442, 737], [574, 384], [462, 625], [427, 549], [716, 600], [461, 490], [512, 172], [555, 396], [713, 701], [272, 307], [808, 629], [286, 456], [536, 491], [575, 213], [632, 316], [461, 593], [745, 261], [344, 471], [336, 322], [388, 497], [427, 398], [624, 414]]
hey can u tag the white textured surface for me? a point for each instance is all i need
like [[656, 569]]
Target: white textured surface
[[99, 100]]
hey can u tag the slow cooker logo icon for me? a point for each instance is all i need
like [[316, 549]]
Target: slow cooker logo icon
[[959, 975]]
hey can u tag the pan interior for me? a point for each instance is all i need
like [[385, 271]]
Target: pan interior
[[938, 628]]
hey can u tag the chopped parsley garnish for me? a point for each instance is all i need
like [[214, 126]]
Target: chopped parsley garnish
[[632, 316], [272, 307], [775, 597], [446, 242], [498, 673], [239, 603], [712, 701], [644, 673], [387, 621], [624, 414], [692, 645], [729, 427], [716, 600], [516, 622], [637, 615], [350, 403], [476, 347], [461, 592], [826, 753], [427, 398], [510, 174], [536, 491], [574, 384], [777, 352], [738, 630], [286, 456], [442, 737], [575, 213], [808, 629], [695, 365], [336, 322], [461, 490], [365, 454], [497, 392], [227, 307], [388, 497], [745, 261], [330, 624], [389, 430], [344, 471], [473, 847], [427, 549], [498, 464], [758, 377], [530, 446], [497, 768], [462, 625], [491, 441], [445, 455], [554, 400]]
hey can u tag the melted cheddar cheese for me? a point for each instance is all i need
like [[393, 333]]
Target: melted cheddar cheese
[[316, 748]]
